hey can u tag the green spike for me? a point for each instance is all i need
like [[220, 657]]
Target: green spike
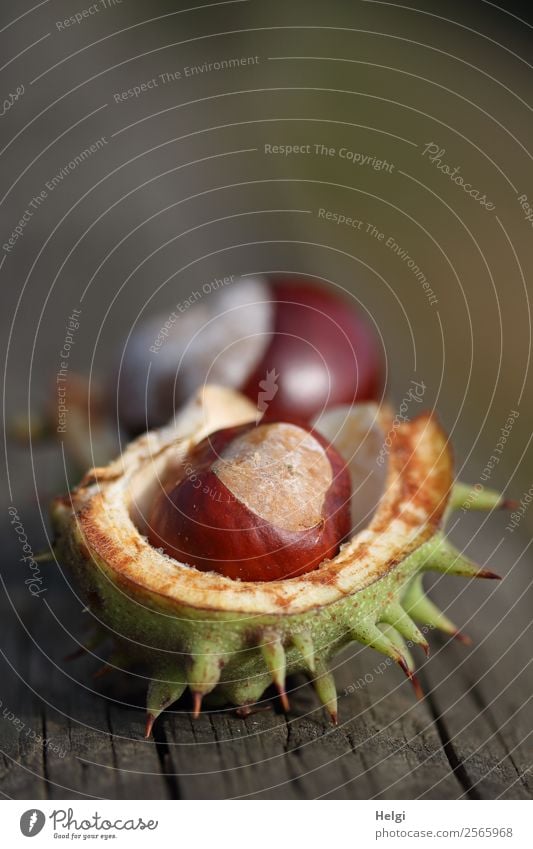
[[96, 639], [274, 657], [395, 637], [45, 556], [370, 635], [449, 560], [118, 661], [303, 641], [409, 668], [203, 673], [477, 497], [163, 690], [396, 616], [324, 684], [419, 606]]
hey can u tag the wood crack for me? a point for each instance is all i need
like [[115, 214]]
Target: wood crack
[[165, 763], [293, 751], [457, 765]]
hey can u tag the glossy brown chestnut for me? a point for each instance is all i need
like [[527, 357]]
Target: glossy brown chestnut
[[256, 503]]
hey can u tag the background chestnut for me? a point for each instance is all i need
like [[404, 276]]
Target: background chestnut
[[294, 347], [256, 503]]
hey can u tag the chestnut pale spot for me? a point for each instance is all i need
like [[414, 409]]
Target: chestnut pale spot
[[279, 472]]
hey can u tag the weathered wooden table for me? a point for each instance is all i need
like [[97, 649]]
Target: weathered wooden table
[[65, 734]]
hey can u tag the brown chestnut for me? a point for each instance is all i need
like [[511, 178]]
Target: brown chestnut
[[256, 503]]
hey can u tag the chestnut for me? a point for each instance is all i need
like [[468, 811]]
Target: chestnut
[[255, 503], [314, 348]]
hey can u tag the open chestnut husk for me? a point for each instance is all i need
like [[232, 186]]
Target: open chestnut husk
[[208, 632]]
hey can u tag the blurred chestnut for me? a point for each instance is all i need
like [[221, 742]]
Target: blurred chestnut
[[295, 348]]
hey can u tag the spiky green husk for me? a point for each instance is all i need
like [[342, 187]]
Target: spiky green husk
[[242, 655]]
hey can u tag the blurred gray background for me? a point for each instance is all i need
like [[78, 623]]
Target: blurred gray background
[[190, 152]]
